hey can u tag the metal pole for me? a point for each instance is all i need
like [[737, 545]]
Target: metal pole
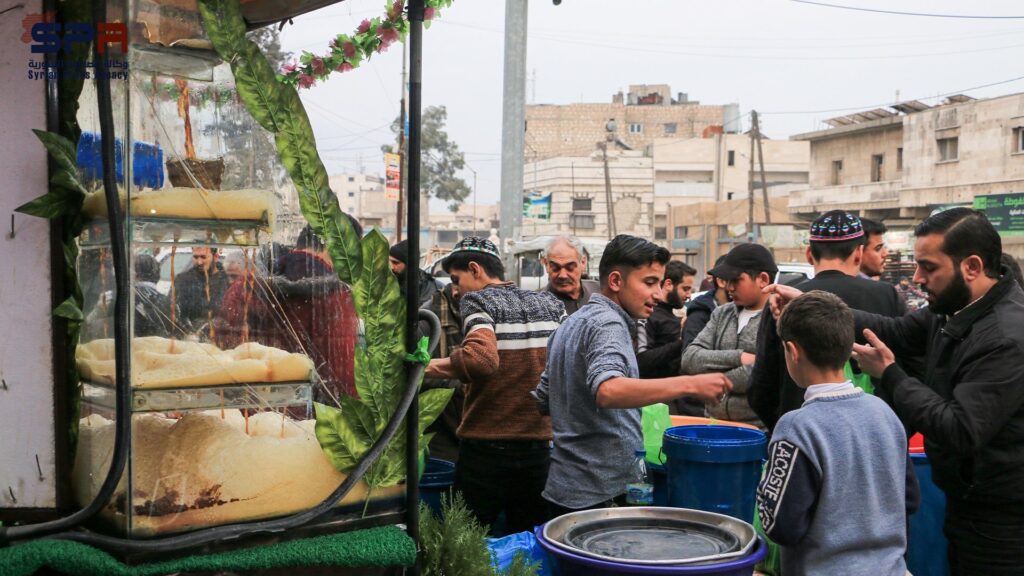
[[764, 178], [412, 491], [402, 156], [750, 189], [513, 122]]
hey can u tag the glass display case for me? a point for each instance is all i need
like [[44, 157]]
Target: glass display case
[[238, 322]]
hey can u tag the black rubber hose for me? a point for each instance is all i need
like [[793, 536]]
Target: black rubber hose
[[122, 296], [277, 525]]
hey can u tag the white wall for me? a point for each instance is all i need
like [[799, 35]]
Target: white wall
[[26, 406]]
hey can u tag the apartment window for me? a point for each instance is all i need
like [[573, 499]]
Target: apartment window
[[351, 178], [680, 232], [636, 128], [837, 172], [899, 159], [949, 149], [670, 128], [1018, 140], [661, 233], [351, 194], [447, 236], [876, 167], [582, 221], [732, 157], [582, 204]]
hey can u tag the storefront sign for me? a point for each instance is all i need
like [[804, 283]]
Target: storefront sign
[[392, 176], [537, 206], [1004, 211]]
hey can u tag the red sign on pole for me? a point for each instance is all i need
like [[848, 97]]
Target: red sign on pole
[[392, 176]]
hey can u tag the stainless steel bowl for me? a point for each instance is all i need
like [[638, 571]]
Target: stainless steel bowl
[[557, 531]]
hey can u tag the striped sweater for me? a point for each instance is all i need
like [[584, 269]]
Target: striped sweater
[[501, 360]]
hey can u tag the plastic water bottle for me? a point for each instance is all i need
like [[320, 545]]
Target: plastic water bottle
[[639, 490]]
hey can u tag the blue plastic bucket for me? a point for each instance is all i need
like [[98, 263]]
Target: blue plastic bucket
[[437, 479], [926, 553], [659, 477], [565, 563], [714, 468]]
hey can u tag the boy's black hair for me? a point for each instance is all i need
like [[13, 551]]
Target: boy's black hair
[[675, 270], [822, 325], [966, 232], [147, 269], [1011, 263], [872, 228], [460, 261], [626, 253], [836, 250], [309, 240]]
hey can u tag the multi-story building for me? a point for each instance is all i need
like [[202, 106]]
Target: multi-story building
[[900, 165], [634, 120], [447, 228]]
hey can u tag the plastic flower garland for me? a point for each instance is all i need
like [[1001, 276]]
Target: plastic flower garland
[[348, 51]]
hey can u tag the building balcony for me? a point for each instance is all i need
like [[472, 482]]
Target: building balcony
[[866, 196]]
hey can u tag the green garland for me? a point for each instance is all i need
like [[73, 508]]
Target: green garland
[[345, 433], [348, 51]]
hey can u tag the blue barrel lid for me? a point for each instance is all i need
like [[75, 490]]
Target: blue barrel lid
[[714, 443]]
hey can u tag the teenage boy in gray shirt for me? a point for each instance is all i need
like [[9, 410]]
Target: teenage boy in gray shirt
[[834, 492], [591, 385]]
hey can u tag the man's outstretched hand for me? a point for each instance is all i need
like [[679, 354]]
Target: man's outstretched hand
[[781, 295], [873, 357], [711, 388]]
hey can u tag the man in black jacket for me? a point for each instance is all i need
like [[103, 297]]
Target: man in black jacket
[[836, 250], [660, 359], [970, 405]]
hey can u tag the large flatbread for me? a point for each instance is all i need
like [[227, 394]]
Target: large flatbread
[[163, 363], [191, 203]]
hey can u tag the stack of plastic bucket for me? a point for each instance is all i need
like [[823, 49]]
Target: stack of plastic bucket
[[714, 468], [926, 551]]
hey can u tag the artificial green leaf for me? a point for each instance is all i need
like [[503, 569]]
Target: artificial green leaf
[[69, 309], [338, 441], [51, 205], [68, 180], [60, 148], [432, 403], [360, 418]]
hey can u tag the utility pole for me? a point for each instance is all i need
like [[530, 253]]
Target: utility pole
[[764, 179], [608, 191], [401, 149], [513, 122], [750, 188], [474, 197]]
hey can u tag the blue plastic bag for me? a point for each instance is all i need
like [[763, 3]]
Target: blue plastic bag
[[505, 548]]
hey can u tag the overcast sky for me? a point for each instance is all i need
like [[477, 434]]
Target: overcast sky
[[795, 63]]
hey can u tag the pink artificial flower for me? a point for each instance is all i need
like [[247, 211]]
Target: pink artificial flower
[[289, 68], [396, 10], [306, 81], [318, 66], [388, 34], [428, 14], [344, 67], [364, 27], [349, 49]]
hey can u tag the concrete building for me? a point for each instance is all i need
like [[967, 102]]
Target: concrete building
[[900, 165], [570, 195], [704, 231], [634, 120], [447, 228]]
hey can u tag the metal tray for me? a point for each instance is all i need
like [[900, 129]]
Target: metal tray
[[561, 531]]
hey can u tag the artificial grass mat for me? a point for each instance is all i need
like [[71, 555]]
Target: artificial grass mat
[[382, 546]]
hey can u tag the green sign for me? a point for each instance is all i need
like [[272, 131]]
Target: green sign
[[1004, 211]]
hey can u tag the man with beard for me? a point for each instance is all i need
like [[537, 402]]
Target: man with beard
[[664, 333], [970, 405], [398, 257], [565, 260]]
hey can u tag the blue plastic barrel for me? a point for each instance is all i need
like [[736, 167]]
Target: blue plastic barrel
[[926, 553], [437, 479], [714, 468]]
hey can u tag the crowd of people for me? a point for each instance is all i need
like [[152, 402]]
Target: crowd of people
[[836, 371], [549, 383]]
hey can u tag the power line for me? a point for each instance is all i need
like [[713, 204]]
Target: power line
[[898, 13], [869, 106]]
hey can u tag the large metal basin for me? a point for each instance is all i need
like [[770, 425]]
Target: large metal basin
[[703, 537]]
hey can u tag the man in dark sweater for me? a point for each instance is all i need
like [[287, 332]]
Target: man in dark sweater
[[836, 249], [565, 260], [199, 290], [970, 404], [660, 358], [505, 444]]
